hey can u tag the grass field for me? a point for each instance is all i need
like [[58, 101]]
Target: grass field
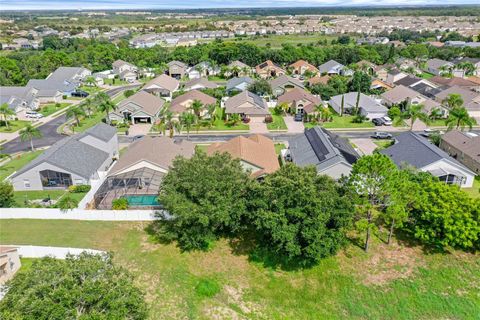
[[17, 162], [117, 82], [118, 98], [278, 122], [48, 109], [21, 196], [13, 125], [475, 190], [390, 282], [220, 124], [276, 41], [87, 123], [279, 147], [201, 147], [341, 122]]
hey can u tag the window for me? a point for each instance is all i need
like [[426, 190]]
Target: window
[[26, 183], [55, 179], [78, 181]]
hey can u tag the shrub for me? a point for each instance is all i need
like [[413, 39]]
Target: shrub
[[359, 118], [120, 204], [64, 97], [80, 188], [128, 93], [6, 194], [67, 203], [268, 119], [207, 288], [246, 120]]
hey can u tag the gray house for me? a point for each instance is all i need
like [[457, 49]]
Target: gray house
[[74, 160], [19, 98], [238, 84], [329, 153], [333, 67], [283, 84], [368, 106], [438, 67]]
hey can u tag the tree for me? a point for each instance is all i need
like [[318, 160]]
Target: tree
[[371, 181], [75, 113], [6, 194], [87, 105], [360, 82], [260, 87], [459, 117], [205, 197], [196, 107], [342, 106], [67, 203], [6, 112], [415, 112], [90, 81], [128, 93], [87, 286], [187, 119], [30, 133], [299, 215], [106, 106], [234, 118], [357, 104], [453, 100], [120, 204], [435, 113]]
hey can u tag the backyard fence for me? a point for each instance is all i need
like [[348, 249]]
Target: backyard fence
[[78, 214]]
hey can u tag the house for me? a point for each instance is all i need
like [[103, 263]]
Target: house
[[301, 66], [142, 107], [256, 153], [125, 71], [268, 69], [238, 84], [382, 71], [395, 75], [474, 61], [438, 67], [407, 81], [454, 81], [300, 101], [63, 81], [380, 85], [464, 147], [199, 84], [330, 154], [202, 69], [74, 160], [333, 67], [318, 80], [19, 98], [138, 174], [283, 84], [177, 69], [471, 100], [410, 149], [183, 102], [367, 106], [9, 263], [163, 86], [247, 105], [400, 94], [237, 69], [367, 66]]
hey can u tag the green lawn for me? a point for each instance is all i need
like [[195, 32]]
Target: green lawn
[[201, 147], [22, 196], [48, 109], [279, 147], [118, 98], [426, 75], [276, 41], [382, 144], [90, 89], [13, 125], [17, 162], [475, 190], [390, 282], [437, 123], [341, 122], [87, 123], [118, 82], [278, 122], [220, 124]]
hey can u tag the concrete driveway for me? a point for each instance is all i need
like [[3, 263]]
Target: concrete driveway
[[139, 129], [292, 125], [365, 146], [257, 125]]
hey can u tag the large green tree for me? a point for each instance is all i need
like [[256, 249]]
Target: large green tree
[[6, 194], [260, 87], [84, 287], [459, 118], [30, 133]]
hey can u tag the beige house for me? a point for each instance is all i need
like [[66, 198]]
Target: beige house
[[464, 147], [9, 263], [177, 69], [283, 84], [185, 101], [300, 101], [163, 86], [142, 107], [125, 71], [301, 66], [247, 105], [268, 69]]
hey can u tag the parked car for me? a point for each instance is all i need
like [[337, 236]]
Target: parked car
[[387, 121], [33, 115], [378, 122], [428, 132], [298, 117], [80, 94], [381, 135], [138, 137]]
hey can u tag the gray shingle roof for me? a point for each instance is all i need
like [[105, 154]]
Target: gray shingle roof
[[234, 82], [329, 65]]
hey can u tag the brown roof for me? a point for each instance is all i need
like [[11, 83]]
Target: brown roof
[[303, 63], [319, 79], [159, 151], [267, 65], [257, 150], [165, 82], [148, 102], [201, 81], [474, 79], [469, 97], [380, 83], [466, 144], [399, 93], [455, 81], [181, 103], [258, 105], [296, 95], [5, 249]]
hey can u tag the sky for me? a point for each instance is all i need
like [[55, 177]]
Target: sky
[[176, 4]]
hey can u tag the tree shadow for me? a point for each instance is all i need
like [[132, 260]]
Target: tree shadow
[[406, 239]]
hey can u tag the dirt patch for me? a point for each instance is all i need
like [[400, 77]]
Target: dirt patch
[[234, 305], [223, 313]]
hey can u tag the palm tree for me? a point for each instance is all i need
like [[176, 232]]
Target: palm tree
[[5, 111], [90, 81], [453, 100], [342, 106], [325, 114], [415, 112], [235, 71], [187, 119], [357, 103], [234, 118], [196, 107], [106, 106], [167, 122], [435, 114], [467, 67], [446, 71], [75, 113], [87, 106], [211, 110], [458, 117], [29, 133]]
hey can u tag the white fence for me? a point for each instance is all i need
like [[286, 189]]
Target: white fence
[[54, 252], [78, 214]]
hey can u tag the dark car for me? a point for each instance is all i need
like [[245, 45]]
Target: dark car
[[138, 137], [382, 135], [80, 94], [298, 117], [378, 122]]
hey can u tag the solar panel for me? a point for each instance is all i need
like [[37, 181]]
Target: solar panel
[[317, 145]]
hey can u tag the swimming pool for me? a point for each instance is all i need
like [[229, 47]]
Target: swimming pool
[[143, 200]]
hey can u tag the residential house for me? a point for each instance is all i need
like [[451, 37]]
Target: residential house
[[438, 67], [203, 69], [138, 174], [184, 102], [163, 86], [333, 67], [300, 101], [382, 71], [302, 66], [401, 94], [177, 69], [247, 105], [256, 153], [237, 69], [238, 84], [125, 71], [199, 84], [19, 98], [367, 66], [410, 149], [268, 69], [395, 75], [380, 85], [9, 263], [367, 106], [330, 154], [471, 100], [318, 80], [461, 72], [454, 81], [74, 160], [283, 84], [142, 107], [407, 81], [464, 147]]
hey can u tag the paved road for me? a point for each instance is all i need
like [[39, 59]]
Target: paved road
[[49, 130]]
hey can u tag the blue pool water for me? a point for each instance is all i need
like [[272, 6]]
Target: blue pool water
[[144, 200]]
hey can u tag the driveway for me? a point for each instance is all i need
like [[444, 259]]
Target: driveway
[[293, 126], [257, 125], [139, 129], [364, 145]]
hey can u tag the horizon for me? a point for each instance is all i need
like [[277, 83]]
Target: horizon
[[109, 5]]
